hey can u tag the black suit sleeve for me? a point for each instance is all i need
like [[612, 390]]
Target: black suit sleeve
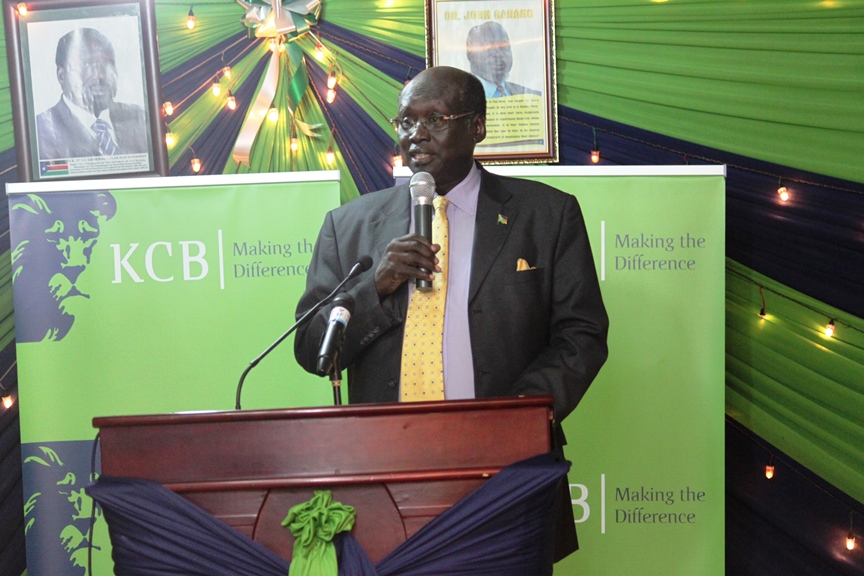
[[372, 317]]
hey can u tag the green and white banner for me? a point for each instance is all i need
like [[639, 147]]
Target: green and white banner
[[152, 296]]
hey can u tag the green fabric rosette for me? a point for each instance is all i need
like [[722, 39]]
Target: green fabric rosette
[[314, 524]]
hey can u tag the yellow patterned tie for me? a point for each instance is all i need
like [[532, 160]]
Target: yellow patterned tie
[[423, 343]]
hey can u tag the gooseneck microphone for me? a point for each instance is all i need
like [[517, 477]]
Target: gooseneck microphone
[[362, 265], [422, 188], [331, 344]]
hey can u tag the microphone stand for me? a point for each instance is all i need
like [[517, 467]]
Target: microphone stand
[[357, 269], [336, 380]]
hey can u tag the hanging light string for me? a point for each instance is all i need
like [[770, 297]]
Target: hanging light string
[[793, 466], [713, 160], [345, 150], [207, 84], [367, 49], [830, 316], [385, 117]]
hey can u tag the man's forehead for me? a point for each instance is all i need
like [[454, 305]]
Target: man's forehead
[[441, 96]]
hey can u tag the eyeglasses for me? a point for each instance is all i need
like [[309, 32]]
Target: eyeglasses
[[434, 123]]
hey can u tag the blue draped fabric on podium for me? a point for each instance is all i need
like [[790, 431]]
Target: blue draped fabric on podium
[[505, 527]]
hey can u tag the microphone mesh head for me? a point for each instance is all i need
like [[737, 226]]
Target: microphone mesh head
[[422, 186]]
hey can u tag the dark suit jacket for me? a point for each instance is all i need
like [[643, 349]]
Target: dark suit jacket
[[534, 332], [61, 135], [515, 89]]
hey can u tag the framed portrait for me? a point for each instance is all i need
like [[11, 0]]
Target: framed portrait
[[85, 86], [509, 46]]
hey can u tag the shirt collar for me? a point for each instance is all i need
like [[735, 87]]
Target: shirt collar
[[85, 116], [489, 87], [464, 195]]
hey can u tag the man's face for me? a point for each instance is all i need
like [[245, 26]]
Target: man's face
[[89, 78], [447, 154], [489, 54]]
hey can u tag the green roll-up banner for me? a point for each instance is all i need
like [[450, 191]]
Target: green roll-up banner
[[152, 295]]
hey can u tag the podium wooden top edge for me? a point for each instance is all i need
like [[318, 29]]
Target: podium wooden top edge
[[325, 411]]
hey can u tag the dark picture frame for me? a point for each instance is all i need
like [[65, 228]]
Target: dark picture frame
[[510, 46], [52, 139]]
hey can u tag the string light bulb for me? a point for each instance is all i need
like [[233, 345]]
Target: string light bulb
[[829, 328], [782, 191], [850, 538], [196, 164], [273, 114], [190, 19], [331, 96], [231, 102], [762, 313], [170, 140], [22, 11], [319, 51], [595, 150], [226, 71], [8, 401], [216, 88], [331, 156], [331, 81], [769, 471], [168, 108]]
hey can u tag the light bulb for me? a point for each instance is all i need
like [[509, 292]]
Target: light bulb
[[8, 401], [829, 329], [295, 144], [216, 88], [196, 165], [273, 114], [595, 155], [769, 471], [169, 139], [168, 108], [226, 71], [850, 539], [319, 51], [331, 82], [784, 193], [762, 313], [331, 96], [190, 20], [232, 101], [22, 9], [331, 156]]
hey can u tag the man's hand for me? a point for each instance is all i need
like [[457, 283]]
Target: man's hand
[[405, 258]]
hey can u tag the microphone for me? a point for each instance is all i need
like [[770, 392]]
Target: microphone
[[422, 188], [362, 265], [343, 307]]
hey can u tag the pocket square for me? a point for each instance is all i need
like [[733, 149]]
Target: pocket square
[[522, 265]]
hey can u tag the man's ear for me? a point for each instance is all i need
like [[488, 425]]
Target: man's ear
[[479, 128], [61, 77]]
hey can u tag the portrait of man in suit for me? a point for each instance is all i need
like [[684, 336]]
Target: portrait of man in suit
[[522, 308], [87, 121], [491, 59]]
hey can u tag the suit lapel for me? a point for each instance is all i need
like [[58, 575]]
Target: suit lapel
[[489, 233], [391, 218]]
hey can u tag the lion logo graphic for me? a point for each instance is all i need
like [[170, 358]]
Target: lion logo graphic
[[54, 236]]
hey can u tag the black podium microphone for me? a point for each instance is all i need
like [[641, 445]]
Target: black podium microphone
[[331, 344], [362, 265], [422, 188]]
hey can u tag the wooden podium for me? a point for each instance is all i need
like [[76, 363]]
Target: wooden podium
[[399, 465]]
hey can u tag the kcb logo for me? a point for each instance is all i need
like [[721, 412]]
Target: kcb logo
[[159, 262]]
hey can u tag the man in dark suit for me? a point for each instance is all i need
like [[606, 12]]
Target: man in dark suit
[[491, 59], [523, 315], [87, 121]]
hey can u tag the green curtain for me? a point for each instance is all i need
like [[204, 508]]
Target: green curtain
[[789, 383]]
